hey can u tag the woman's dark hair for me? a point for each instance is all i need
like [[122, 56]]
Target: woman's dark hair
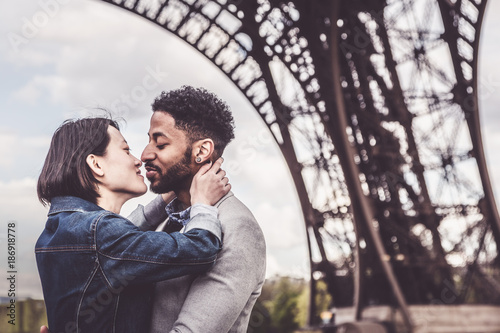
[[65, 171]]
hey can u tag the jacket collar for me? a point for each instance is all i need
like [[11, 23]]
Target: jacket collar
[[71, 204]]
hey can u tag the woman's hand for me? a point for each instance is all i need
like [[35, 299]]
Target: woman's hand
[[209, 184]]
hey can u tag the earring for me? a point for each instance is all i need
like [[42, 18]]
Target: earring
[[198, 159]]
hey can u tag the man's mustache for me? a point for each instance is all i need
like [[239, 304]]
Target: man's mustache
[[150, 166]]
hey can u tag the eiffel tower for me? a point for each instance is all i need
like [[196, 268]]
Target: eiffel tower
[[374, 105]]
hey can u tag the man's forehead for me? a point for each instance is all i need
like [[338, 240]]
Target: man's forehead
[[161, 123], [164, 127]]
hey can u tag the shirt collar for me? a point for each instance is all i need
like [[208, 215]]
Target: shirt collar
[[176, 215]]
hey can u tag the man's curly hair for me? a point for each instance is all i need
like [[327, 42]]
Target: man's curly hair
[[200, 113]]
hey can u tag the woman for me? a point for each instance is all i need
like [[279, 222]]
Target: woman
[[96, 267]]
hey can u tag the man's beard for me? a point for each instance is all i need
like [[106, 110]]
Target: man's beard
[[174, 178]]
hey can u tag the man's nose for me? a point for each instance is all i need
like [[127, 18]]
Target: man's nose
[[148, 154]]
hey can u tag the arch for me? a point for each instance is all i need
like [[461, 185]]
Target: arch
[[380, 140]]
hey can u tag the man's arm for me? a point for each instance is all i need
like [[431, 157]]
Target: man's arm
[[217, 298], [150, 216]]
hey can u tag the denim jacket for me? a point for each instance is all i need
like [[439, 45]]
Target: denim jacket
[[97, 269]]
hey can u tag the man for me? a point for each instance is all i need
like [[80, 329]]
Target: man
[[190, 127]]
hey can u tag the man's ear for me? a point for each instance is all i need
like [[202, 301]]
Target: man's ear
[[203, 150], [93, 163]]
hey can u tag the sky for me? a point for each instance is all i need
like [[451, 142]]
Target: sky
[[62, 59]]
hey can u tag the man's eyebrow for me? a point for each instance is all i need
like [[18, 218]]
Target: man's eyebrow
[[155, 135]]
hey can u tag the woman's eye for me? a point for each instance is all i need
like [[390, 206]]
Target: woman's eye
[[161, 146]]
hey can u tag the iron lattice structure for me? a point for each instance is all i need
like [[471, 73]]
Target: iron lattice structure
[[374, 105]]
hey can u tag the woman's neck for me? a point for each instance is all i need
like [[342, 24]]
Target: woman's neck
[[112, 201]]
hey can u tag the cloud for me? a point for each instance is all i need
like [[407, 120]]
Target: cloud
[[491, 143], [22, 155], [273, 267], [19, 205], [281, 225], [87, 62], [293, 263], [18, 200], [7, 150], [39, 86]]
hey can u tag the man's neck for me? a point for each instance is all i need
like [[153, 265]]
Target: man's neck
[[183, 194], [185, 198]]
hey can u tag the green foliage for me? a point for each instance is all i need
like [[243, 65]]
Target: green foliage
[[303, 306], [323, 298], [29, 316], [283, 306]]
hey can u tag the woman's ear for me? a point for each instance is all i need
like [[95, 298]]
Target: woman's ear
[[93, 163], [203, 150]]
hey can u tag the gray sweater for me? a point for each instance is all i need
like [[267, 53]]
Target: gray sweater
[[222, 299]]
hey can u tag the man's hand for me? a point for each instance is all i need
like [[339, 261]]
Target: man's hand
[[209, 184], [44, 329]]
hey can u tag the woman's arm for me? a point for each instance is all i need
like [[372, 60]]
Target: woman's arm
[[126, 253]]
